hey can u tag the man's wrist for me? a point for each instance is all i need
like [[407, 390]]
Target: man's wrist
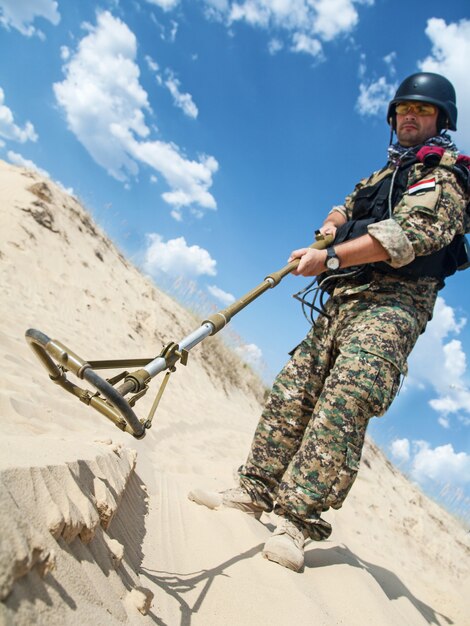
[[332, 260]]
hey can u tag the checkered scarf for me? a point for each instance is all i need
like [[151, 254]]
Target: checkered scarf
[[396, 151]]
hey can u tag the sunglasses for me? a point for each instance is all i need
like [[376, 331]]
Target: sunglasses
[[418, 108]]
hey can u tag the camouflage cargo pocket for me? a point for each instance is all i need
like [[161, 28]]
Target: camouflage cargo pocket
[[382, 379], [353, 456]]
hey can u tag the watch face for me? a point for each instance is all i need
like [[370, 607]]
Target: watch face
[[332, 263]]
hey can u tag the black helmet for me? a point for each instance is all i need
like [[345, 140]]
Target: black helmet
[[427, 87]]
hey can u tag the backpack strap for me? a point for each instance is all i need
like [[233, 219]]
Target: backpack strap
[[448, 159]]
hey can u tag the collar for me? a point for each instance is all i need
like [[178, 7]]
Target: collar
[[396, 152]]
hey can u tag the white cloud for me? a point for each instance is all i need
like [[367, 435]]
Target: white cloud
[[334, 17], [428, 359], [21, 14], [216, 9], [441, 463], [101, 93], [400, 449], [64, 53], [18, 159], [219, 294], [255, 12], [8, 128], [303, 43], [174, 30], [450, 50], [152, 64], [442, 363], [374, 96], [189, 179], [362, 66], [325, 18], [105, 107], [176, 215], [455, 360], [250, 353], [444, 422], [389, 60], [305, 22], [176, 258], [183, 101], [166, 5], [455, 400], [275, 45]]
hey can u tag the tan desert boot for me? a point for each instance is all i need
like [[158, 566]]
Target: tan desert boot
[[286, 546], [236, 498]]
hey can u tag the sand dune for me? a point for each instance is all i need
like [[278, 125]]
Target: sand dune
[[95, 525]]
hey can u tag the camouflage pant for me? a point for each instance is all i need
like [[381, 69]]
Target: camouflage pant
[[307, 447]]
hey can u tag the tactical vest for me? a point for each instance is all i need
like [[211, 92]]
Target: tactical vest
[[371, 205]]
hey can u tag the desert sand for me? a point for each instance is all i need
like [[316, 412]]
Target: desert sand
[[95, 526]]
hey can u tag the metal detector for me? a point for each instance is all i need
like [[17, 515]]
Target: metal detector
[[109, 395]]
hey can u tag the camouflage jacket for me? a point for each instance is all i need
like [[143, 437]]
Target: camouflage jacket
[[421, 223]]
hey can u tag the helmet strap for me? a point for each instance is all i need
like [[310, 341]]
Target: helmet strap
[[442, 122], [391, 131]]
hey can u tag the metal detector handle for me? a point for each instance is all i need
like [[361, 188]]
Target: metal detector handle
[[51, 353], [222, 318], [322, 242]]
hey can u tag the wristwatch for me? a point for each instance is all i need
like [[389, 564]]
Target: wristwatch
[[332, 261]]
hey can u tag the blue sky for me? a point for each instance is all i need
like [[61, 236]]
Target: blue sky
[[210, 138]]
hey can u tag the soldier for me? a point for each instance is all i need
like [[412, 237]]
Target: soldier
[[396, 238]]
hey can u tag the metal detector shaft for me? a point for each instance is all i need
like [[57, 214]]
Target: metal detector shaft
[[217, 321]]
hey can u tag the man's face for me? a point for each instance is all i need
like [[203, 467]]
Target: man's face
[[412, 128]]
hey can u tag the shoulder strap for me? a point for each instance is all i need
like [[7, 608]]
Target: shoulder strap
[[448, 159]]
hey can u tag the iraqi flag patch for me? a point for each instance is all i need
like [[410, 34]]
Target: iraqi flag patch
[[424, 185]]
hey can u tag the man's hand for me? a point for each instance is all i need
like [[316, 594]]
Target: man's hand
[[364, 249], [312, 261], [329, 228]]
